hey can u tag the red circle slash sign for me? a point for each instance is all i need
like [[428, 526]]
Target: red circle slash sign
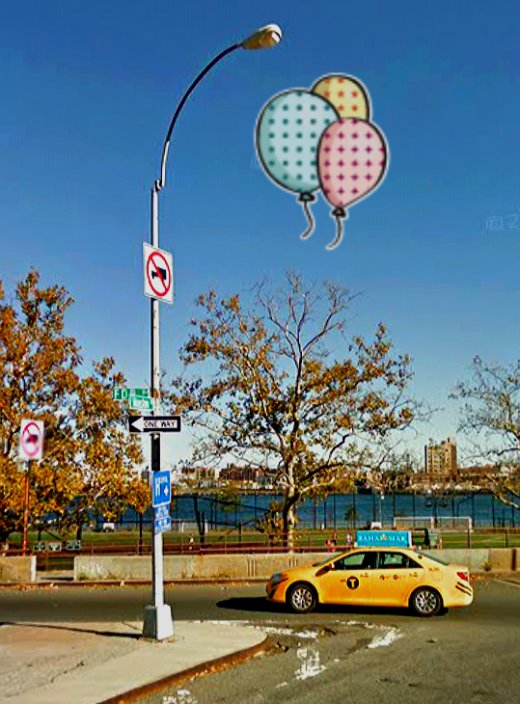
[[31, 437], [158, 274]]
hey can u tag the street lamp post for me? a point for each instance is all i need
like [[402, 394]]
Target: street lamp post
[[158, 620]]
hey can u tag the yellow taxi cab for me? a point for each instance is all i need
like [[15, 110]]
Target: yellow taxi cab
[[375, 576]]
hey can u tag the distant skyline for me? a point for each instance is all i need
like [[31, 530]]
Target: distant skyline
[[88, 94]]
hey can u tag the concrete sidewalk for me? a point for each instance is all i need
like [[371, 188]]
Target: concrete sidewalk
[[94, 663]]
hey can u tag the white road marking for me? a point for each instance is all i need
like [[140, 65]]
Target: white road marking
[[183, 696], [287, 632], [387, 639], [310, 663]]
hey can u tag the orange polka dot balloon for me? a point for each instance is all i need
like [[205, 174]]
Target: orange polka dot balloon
[[348, 95]]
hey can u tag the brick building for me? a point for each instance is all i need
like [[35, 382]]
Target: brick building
[[440, 460]]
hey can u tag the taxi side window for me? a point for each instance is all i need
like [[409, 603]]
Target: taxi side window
[[357, 561], [396, 560]]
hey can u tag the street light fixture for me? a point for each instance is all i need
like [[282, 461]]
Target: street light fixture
[[158, 621], [264, 38]]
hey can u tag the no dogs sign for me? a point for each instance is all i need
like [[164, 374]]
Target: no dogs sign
[[31, 440]]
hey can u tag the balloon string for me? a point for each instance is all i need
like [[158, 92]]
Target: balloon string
[[308, 232], [339, 234]]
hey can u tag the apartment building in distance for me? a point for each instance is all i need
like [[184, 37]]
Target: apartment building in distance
[[440, 460]]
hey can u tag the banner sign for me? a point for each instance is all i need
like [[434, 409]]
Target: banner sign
[[384, 538]]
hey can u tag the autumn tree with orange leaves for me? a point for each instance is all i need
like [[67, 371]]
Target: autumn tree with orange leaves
[[275, 395], [89, 459]]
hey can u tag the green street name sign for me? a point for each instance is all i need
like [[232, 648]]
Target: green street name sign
[[122, 394], [141, 404]]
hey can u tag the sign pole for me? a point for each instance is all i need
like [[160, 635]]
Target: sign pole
[[26, 509], [158, 621]]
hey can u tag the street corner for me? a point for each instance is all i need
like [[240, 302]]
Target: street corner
[[37, 656]]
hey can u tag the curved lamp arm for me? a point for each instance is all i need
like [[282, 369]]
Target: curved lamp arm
[[160, 182], [264, 38]]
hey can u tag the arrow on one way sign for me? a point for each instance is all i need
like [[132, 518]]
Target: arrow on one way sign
[[155, 424]]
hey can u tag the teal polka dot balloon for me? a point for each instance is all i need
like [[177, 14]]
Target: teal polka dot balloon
[[288, 132], [287, 136]]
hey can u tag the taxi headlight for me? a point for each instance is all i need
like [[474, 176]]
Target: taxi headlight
[[277, 577]]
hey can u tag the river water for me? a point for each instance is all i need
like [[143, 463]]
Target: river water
[[340, 510]]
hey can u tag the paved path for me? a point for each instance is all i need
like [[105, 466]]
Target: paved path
[[89, 663]]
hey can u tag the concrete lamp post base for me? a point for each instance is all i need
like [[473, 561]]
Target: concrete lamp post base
[[158, 622]]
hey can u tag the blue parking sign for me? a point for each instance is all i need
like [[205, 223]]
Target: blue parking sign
[[162, 524], [162, 511], [162, 488]]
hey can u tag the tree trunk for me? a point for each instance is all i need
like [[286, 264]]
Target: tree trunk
[[291, 499], [200, 518], [79, 524]]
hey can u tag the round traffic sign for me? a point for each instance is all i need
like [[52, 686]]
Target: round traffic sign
[[32, 440], [158, 274]]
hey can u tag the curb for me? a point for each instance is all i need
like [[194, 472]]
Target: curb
[[129, 583], [510, 574], [225, 662]]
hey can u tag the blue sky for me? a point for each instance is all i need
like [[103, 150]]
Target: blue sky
[[88, 92]]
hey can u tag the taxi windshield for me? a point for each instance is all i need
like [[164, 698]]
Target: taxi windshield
[[331, 557]]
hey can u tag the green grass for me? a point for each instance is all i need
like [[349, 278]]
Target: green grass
[[129, 540], [481, 540]]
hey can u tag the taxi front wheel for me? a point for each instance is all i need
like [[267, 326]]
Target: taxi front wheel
[[426, 602], [302, 598]]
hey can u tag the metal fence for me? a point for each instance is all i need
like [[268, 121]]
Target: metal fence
[[337, 511]]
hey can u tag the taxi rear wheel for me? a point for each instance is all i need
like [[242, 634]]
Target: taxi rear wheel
[[302, 598], [426, 601]]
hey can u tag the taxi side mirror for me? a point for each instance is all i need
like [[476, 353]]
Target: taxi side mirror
[[325, 569]]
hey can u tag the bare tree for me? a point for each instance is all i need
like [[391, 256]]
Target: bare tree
[[490, 419], [273, 388]]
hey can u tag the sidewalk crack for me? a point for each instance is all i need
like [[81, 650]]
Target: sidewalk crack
[[81, 663]]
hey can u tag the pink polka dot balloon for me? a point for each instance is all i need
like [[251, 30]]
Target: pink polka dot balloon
[[352, 162]]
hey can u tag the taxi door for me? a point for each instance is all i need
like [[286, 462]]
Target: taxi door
[[350, 580], [394, 578]]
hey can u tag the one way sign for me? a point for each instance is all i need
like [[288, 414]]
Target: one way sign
[[155, 424]]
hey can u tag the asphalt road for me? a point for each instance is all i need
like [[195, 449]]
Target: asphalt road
[[468, 655], [495, 602]]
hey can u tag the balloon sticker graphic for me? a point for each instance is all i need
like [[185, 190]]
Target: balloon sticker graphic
[[323, 139], [348, 95], [288, 131], [352, 162]]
